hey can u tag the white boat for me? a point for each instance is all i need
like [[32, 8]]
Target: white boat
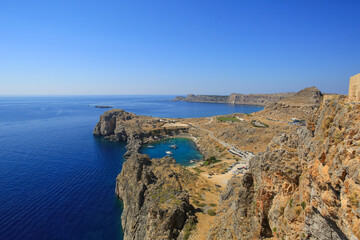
[[169, 153], [192, 161], [150, 146], [174, 146]]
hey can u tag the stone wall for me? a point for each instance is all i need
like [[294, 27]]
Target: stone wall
[[354, 88]]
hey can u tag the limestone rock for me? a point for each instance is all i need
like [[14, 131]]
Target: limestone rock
[[155, 205], [306, 185]]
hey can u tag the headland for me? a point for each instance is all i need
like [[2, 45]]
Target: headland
[[289, 171]]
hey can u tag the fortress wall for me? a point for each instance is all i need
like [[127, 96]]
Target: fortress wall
[[354, 88]]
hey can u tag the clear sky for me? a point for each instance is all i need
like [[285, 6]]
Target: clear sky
[[177, 46]]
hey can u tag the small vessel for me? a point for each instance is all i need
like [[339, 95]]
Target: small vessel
[[192, 161], [169, 153], [150, 146], [174, 146]]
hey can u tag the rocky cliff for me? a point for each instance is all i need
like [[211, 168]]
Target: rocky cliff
[[236, 98], [121, 126], [306, 185], [301, 105], [155, 203]]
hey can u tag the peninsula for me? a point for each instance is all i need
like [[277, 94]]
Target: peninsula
[[287, 172], [236, 98]]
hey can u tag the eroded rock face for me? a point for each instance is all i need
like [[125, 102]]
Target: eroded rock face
[[301, 105], [306, 185], [155, 204]]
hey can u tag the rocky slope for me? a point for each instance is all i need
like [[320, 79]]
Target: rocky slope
[[301, 105], [306, 185], [155, 203], [236, 98]]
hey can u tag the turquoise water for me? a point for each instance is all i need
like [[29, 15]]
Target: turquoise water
[[185, 151], [57, 180]]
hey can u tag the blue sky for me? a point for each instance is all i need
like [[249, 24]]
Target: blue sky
[[177, 47]]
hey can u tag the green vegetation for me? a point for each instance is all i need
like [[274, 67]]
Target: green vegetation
[[188, 174], [212, 205], [198, 170], [198, 204], [210, 160], [163, 195], [354, 199], [274, 229], [291, 201], [188, 228], [211, 212], [228, 119], [303, 205]]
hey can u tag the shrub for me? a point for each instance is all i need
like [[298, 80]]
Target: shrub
[[188, 228], [303, 205], [210, 160], [211, 212]]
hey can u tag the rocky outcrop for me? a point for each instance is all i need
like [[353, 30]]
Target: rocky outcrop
[[301, 105], [155, 204], [306, 185], [121, 126], [236, 98]]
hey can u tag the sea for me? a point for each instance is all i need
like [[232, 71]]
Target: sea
[[57, 180]]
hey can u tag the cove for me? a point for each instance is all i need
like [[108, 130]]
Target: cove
[[186, 150]]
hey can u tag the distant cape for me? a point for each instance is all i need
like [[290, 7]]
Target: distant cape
[[236, 98]]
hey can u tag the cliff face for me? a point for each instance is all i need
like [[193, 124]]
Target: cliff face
[[306, 185], [155, 204], [236, 98], [301, 105]]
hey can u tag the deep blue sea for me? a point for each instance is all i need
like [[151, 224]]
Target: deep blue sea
[[57, 180]]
